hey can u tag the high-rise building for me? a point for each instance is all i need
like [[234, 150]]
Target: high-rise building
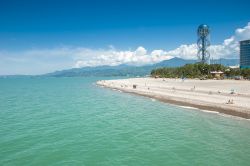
[[245, 54]]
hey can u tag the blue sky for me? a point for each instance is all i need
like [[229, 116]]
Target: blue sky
[[100, 27]]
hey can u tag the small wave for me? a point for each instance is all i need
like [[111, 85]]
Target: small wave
[[114, 89], [234, 117], [225, 115], [212, 112], [188, 107], [194, 108]]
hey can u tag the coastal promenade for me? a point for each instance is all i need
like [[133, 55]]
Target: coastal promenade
[[225, 96]]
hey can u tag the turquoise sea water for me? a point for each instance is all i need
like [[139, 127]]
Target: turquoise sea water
[[70, 121]]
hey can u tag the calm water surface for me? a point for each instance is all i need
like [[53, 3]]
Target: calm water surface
[[70, 121]]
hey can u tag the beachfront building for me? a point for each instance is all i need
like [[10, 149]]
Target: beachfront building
[[245, 54], [217, 74]]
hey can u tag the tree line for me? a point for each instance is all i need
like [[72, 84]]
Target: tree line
[[199, 70]]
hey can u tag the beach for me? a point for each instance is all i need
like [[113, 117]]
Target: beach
[[230, 97]]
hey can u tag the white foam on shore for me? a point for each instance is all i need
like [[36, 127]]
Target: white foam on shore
[[188, 107], [234, 117], [194, 108], [211, 112], [115, 89], [216, 112]]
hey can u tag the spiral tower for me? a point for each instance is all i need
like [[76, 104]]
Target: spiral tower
[[203, 43]]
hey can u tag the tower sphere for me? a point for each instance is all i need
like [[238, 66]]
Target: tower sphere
[[203, 30]]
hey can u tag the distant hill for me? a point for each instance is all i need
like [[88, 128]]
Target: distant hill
[[226, 62], [174, 62], [128, 70]]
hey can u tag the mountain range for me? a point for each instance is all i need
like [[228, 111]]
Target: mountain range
[[129, 70]]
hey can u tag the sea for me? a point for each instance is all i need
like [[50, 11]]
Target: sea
[[72, 121]]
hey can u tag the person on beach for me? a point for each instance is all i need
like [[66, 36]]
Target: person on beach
[[230, 101]]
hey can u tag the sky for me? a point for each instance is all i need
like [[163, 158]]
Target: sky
[[41, 36]]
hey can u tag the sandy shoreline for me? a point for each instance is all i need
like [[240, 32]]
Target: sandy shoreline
[[230, 97]]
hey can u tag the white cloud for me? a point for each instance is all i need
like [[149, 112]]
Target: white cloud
[[113, 57], [184, 51], [37, 61], [140, 51], [228, 49]]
